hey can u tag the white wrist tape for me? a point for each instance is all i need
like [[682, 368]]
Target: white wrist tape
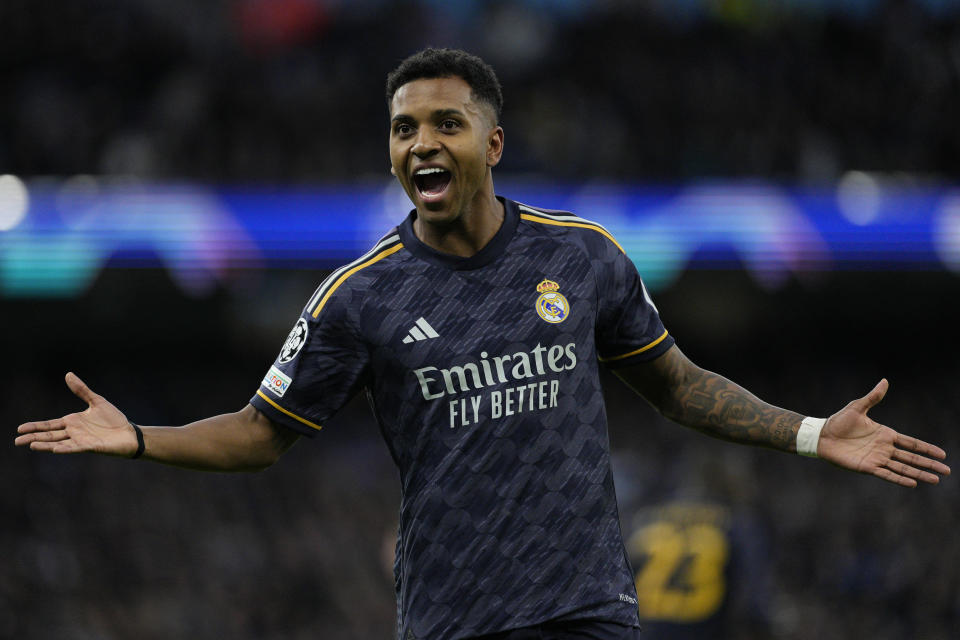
[[809, 435]]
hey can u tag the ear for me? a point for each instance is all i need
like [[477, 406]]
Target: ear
[[494, 146]]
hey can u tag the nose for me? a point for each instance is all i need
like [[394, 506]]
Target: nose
[[426, 144]]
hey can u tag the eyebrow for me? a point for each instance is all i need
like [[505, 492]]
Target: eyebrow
[[439, 113]]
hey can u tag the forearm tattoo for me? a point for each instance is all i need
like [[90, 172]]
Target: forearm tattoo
[[718, 407]]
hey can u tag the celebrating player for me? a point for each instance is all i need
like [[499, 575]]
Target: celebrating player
[[477, 327]]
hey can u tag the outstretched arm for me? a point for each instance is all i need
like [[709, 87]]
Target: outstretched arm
[[702, 400], [243, 441]]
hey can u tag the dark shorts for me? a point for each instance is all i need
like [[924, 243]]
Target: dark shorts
[[574, 630]]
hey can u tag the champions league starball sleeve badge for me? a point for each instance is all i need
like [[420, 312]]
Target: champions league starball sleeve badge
[[296, 340]]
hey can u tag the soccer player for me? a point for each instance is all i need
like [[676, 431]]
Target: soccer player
[[477, 327]]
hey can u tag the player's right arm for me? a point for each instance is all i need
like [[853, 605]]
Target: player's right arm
[[243, 441]]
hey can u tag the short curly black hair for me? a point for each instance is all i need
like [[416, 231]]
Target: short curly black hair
[[447, 63]]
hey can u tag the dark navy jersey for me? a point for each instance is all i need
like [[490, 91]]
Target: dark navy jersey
[[483, 375]]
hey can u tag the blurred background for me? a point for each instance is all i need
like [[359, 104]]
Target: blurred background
[[176, 178]]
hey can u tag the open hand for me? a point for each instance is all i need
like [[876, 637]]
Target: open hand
[[101, 428], [850, 439]]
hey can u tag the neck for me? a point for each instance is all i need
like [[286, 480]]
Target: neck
[[470, 232]]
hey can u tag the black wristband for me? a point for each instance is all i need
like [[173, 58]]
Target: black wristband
[[140, 445]]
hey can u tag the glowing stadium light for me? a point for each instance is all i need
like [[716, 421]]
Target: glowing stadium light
[[57, 236], [78, 229], [946, 232], [14, 201], [76, 198], [858, 197], [769, 235]]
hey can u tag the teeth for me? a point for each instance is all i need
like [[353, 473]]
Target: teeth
[[428, 171]]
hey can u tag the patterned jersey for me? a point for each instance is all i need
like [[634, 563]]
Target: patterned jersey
[[483, 375]]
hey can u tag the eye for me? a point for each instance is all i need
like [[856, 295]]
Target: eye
[[402, 129], [449, 124]]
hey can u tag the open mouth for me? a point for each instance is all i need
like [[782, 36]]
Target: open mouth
[[431, 182]]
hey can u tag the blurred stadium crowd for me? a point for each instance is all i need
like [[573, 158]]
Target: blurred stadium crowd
[[291, 91], [104, 548]]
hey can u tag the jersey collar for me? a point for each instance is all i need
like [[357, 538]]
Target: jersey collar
[[490, 252]]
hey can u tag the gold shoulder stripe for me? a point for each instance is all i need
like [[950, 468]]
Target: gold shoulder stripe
[[284, 411], [640, 350], [383, 254], [562, 223]]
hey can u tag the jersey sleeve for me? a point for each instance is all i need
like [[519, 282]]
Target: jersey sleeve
[[321, 366], [629, 329]]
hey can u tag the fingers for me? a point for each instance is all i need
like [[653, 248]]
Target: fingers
[[921, 462], [895, 478], [906, 469], [46, 431], [910, 443], [912, 473], [43, 425], [80, 389], [43, 436], [55, 447]]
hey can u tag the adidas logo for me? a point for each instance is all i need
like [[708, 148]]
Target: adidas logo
[[420, 331]]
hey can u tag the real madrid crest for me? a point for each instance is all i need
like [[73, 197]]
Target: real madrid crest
[[552, 306]]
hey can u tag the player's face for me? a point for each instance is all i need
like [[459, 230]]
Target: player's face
[[442, 146]]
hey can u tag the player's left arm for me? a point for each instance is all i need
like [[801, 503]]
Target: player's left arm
[[702, 400]]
